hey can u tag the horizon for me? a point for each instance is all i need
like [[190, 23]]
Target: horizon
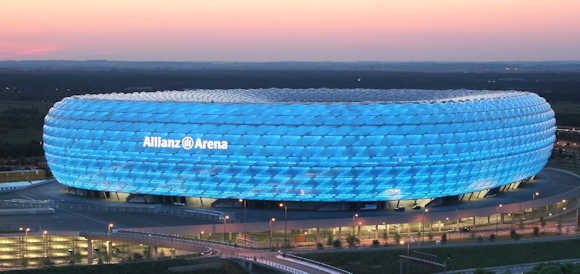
[[290, 61]]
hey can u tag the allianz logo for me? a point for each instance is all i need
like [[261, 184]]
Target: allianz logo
[[186, 143]]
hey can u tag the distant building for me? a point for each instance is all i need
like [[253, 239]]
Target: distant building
[[311, 145]]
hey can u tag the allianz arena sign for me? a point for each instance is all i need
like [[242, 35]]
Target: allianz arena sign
[[186, 143]]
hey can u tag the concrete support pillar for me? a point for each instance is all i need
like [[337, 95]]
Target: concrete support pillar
[[317, 234], [501, 218], [474, 218], [109, 251], [488, 219], [388, 228], [376, 232], [459, 227], [154, 253], [90, 251], [340, 233]]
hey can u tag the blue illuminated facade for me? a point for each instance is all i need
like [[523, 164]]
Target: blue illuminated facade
[[299, 145]]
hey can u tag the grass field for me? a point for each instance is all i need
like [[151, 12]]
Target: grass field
[[151, 267], [565, 163], [387, 261]]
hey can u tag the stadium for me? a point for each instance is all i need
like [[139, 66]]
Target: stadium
[[299, 145]]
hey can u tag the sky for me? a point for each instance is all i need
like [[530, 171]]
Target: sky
[[291, 30]]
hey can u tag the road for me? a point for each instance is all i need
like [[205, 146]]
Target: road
[[550, 183]]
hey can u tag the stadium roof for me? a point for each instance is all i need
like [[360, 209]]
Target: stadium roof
[[307, 96]]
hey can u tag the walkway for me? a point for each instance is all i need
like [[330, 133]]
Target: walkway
[[268, 258]]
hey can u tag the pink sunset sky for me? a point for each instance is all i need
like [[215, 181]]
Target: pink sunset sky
[[301, 30]]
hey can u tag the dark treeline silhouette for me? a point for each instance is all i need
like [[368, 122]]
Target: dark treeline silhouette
[[54, 85], [27, 91]]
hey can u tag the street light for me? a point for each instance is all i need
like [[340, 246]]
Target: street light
[[244, 203], [44, 239], [354, 218], [423, 225], [110, 227], [226, 218], [26, 230], [270, 222], [534, 196], [285, 206], [498, 217]]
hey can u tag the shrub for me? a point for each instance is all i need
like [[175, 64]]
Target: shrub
[[329, 239], [480, 239], [352, 240], [514, 235], [555, 268], [430, 236], [319, 246], [444, 238], [337, 243], [376, 243], [397, 237], [137, 256], [492, 237], [46, 261], [536, 231]]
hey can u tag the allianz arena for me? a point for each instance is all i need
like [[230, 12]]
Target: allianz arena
[[310, 145]]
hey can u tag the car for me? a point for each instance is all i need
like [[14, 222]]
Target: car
[[416, 207], [399, 209]]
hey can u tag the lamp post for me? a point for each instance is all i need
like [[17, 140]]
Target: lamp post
[[21, 242], [534, 196], [226, 218], [26, 239], [44, 239], [423, 225], [285, 206], [354, 218], [244, 203], [560, 218], [110, 228], [270, 222], [497, 209]]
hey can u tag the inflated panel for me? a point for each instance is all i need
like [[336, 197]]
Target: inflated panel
[[299, 145]]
